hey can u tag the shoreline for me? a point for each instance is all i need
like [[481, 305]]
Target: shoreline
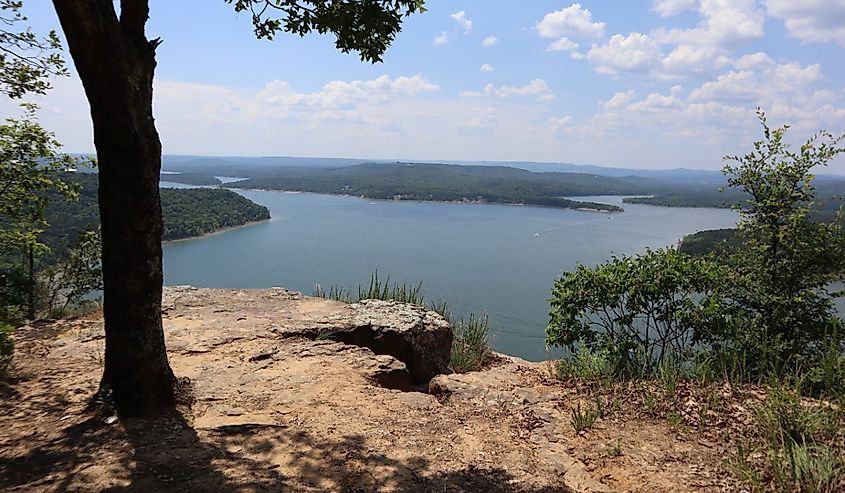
[[467, 202], [218, 231]]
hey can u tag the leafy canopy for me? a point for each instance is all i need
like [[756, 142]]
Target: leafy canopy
[[365, 26], [26, 60]]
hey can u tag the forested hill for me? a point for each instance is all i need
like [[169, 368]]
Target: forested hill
[[187, 212], [444, 182]]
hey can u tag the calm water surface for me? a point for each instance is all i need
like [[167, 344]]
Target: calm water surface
[[497, 259]]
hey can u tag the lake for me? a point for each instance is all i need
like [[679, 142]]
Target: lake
[[496, 259]]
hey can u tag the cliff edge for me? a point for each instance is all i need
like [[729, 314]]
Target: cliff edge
[[293, 393]]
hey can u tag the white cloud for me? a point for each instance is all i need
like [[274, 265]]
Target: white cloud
[[753, 61], [724, 23], [490, 41], [635, 53], [442, 38], [769, 84], [811, 20], [618, 100], [481, 121], [668, 8], [536, 88], [563, 44], [342, 94], [572, 21], [560, 124], [487, 68], [718, 114], [691, 60], [463, 22]]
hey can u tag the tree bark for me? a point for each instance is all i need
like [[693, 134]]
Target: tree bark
[[116, 64]]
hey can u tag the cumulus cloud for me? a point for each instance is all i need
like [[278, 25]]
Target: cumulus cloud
[[770, 83], [572, 21], [679, 53], [490, 41], [560, 124], [619, 100], [563, 44], [345, 94], [487, 68], [463, 22], [635, 53], [668, 8], [442, 38], [720, 112], [724, 23], [536, 88], [811, 20]]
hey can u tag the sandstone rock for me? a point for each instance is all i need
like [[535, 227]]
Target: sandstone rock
[[419, 338]]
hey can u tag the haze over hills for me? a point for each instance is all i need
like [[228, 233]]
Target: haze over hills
[[528, 183]]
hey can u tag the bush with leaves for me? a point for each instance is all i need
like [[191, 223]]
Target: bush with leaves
[[778, 308], [765, 308], [637, 309]]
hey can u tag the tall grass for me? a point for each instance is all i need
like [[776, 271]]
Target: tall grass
[[471, 343], [798, 446], [401, 292]]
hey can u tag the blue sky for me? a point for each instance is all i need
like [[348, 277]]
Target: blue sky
[[646, 84]]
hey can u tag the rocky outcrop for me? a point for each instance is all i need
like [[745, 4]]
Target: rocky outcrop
[[420, 339]]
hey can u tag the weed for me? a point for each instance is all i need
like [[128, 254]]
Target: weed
[[471, 346], [783, 420], [741, 465], [650, 401], [675, 420], [817, 468], [616, 405], [335, 293], [702, 416], [701, 367], [586, 365], [616, 450], [402, 293], [669, 373], [583, 419]]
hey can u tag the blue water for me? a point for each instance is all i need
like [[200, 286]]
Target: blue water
[[496, 259]]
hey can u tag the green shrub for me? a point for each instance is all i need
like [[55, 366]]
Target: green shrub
[[638, 309]]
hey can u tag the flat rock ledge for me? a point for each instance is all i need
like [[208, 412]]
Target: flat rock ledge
[[421, 340], [283, 403]]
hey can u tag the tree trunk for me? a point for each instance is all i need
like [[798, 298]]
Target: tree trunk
[[116, 63]]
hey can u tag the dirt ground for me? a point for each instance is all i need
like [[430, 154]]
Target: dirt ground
[[280, 413]]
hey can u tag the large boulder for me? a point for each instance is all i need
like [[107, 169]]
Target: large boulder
[[420, 338]]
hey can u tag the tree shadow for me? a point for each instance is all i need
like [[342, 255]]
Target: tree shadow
[[167, 454]]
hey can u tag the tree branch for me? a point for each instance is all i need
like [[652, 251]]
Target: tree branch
[[133, 17]]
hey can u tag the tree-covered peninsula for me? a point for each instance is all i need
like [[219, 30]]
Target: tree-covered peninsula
[[450, 183], [187, 212]]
